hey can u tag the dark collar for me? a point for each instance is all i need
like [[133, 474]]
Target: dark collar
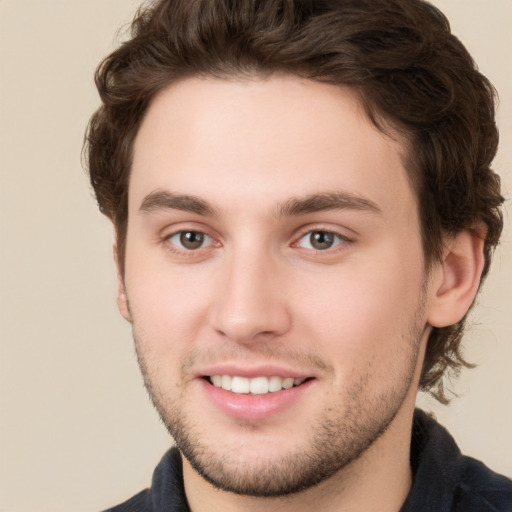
[[444, 480], [434, 460]]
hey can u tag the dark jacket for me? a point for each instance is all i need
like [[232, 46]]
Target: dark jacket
[[444, 479]]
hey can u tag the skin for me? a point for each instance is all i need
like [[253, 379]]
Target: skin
[[232, 161]]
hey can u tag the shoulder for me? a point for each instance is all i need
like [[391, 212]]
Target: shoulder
[[481, 489], [166, 493], [447, 481]]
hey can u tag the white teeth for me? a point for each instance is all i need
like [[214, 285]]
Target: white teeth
[[225, 382], [256, 386], [217, 381], [259, 386], [287, 383], [239, 385], [275, 384]]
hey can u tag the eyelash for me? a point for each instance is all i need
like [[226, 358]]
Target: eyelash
[[175, 248], [339, 240]]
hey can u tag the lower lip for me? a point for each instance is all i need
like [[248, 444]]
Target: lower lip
[[253, 407]]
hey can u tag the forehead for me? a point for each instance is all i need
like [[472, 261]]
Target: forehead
[[231, 141]]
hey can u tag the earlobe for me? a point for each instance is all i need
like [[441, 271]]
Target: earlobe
[[458, 278], [122, 298]]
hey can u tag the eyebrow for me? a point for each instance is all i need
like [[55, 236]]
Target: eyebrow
[[324, 202], [164, 200]]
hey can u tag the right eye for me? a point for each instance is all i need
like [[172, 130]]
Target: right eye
[[190, 240], [320, 240]]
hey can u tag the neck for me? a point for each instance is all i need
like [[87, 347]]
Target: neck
[[379, 480]]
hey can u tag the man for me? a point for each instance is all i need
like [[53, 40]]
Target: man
[[304, 212]]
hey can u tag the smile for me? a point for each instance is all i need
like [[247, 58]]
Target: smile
[[253, 386]]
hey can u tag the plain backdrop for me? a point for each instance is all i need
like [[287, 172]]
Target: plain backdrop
[[77, 429]]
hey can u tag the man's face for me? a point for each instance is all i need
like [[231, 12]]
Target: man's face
[[273, 241]]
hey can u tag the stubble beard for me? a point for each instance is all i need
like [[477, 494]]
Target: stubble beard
[[334, 442]]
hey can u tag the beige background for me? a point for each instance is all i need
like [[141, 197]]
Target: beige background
[[77, 431]]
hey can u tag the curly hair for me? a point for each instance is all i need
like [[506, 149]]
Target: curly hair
[[410, 72]]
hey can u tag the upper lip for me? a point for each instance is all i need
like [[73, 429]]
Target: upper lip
[[253, 371]]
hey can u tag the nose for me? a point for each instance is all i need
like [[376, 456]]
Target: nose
[[251, 304]]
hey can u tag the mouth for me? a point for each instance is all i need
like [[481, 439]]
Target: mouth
[[254, 386], [255, 394]]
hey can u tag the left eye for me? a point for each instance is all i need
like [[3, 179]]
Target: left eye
[[190, 240], [320, 240]]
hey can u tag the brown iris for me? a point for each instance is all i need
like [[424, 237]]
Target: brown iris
[[191, 239], [321, 240]]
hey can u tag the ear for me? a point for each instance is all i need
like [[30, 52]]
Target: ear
[[122, 299], [457, 278]]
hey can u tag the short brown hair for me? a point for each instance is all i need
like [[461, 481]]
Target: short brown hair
[[411, 73]]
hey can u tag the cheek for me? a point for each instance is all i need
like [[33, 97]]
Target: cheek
[[168, 305], [364, 313], [166, 312]]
